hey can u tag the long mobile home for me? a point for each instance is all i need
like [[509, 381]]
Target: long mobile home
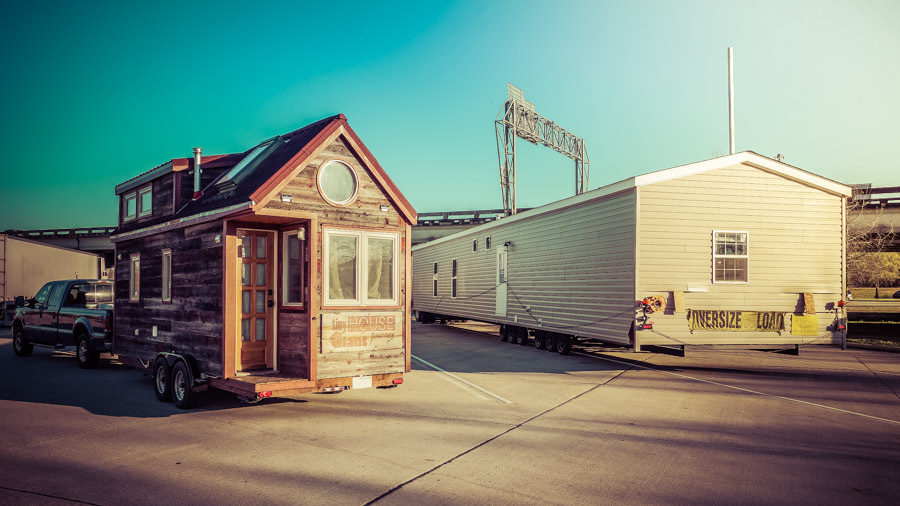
[[279, 270], [740, 249]]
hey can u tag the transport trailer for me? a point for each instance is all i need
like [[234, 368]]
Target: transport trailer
[[736, 250], [281, 270]]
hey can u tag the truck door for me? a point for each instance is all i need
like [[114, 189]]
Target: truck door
[[33, 317], [50, 315]]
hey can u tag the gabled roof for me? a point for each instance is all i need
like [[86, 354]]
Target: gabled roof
[[257, 174]]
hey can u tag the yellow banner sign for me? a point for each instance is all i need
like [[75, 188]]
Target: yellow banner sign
[[358, 331], [805, 325], [736, 321]]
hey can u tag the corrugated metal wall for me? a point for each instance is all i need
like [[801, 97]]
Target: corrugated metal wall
[[570, 270], [795, 246], [28, 265]]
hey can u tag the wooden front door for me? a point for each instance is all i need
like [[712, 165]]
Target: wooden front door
[[257, 301]]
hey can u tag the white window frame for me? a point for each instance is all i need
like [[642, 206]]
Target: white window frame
[[487, 243], [134, 278], [434, 279], [362, 268], [127, 197], [140, 201], [284, 269], [475, 245], [716, 256], [166, 285], [454, 277]]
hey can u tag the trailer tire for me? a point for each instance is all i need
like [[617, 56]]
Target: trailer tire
[[162, 380], [86, 357], [21, 346], [522, 335], [504, 333], [551, 341], [183, 395], [540, 339], [563, 344]]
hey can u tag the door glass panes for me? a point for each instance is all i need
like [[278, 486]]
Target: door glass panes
[[261, 246], [245, 329], [245, 274], [245, 246], [260, 301], [245, 301], [381, 268], [342, 252], [260, 274], [260, 329]]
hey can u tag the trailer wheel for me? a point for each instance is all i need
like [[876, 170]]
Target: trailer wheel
[[504, 333], [551, 341], [540, 339], [162, 380], [564, 344], [522, 335], [87, 358], [183, 395], [21, 346]]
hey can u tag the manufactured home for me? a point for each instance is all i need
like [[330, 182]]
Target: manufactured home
[[279, 270], [741, 249]]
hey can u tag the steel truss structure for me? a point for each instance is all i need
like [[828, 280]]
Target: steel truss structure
[[517, 118]]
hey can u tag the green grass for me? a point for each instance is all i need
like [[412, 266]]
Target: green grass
[[863, 293]]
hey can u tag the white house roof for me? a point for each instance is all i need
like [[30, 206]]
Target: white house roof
[[748, 158]]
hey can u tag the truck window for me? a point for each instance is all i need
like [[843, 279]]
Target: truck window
[[76, 296], [44, 293], [56, 295], [99, 294]]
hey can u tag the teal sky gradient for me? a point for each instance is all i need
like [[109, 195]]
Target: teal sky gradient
[[95, 93]]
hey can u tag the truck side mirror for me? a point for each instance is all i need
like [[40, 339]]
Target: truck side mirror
[[20, 301]]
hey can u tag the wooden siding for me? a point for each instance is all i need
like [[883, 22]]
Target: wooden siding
[[192, 322], [570, 270], [364, 213], [795, 246]]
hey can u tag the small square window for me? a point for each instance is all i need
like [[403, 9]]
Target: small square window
[[130, 206], [731, 256], [145, 201]]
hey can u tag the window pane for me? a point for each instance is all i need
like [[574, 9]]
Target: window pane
[[245, 274], [130, 206], [260, 274], [260, 329], [260, 301], [453, 268], [381, 268], [294, 270], [245, 246], [453, 288], [434, 289], [341, 267], [245, 329], [146, 202], [245, 301], [338, 182], [261, 246]]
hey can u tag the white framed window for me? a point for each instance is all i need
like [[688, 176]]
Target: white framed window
[[475, 245], [145, 201], [453, 278], [167, 275], [337, 183], [731, 256], [293, 275], [361, 268], [130, 206], [487, 243], [434, 280], [134, 279]]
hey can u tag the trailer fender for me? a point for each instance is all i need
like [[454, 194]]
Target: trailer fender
[[173, 358]]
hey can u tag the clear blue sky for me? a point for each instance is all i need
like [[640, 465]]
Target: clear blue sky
[[94, 93]]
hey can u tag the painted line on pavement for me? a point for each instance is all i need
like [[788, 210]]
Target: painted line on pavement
[[747, 390], [457, 378]]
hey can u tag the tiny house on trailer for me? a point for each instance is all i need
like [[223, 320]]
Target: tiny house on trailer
[[280, 270], [740, 249]]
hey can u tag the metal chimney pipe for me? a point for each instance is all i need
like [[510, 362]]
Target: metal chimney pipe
[[731, 100], [197, 153]]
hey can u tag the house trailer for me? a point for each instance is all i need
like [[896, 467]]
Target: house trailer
[[740, 249], [280, 270], [26, 265]]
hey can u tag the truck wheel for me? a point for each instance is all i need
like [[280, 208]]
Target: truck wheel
[[162, 380], [183, 395], [540, 339], [522, 336], [21, 346], [564, 344], [504, 333], [551, 341], [87, 358]]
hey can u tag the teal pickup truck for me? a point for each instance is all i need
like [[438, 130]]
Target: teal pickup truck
[[74, 312]]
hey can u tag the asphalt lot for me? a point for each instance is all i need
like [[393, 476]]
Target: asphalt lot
[[476, 422]]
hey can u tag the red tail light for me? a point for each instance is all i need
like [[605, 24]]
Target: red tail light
[[263, 395], [398, 381], [841, 303], [108, 323]]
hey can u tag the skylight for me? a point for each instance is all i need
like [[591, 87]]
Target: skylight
[[247, 160]]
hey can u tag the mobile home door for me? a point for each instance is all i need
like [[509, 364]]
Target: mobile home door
[[500, 308]]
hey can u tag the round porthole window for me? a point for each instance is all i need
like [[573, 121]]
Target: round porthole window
[[338, 183]]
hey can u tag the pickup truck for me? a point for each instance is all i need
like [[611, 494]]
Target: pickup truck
[[75, 312]]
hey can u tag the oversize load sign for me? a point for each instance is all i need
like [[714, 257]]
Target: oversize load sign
[[736, 321], [357, 331]]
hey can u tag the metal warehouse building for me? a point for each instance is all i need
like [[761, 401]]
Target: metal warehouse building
[[741, 249]]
